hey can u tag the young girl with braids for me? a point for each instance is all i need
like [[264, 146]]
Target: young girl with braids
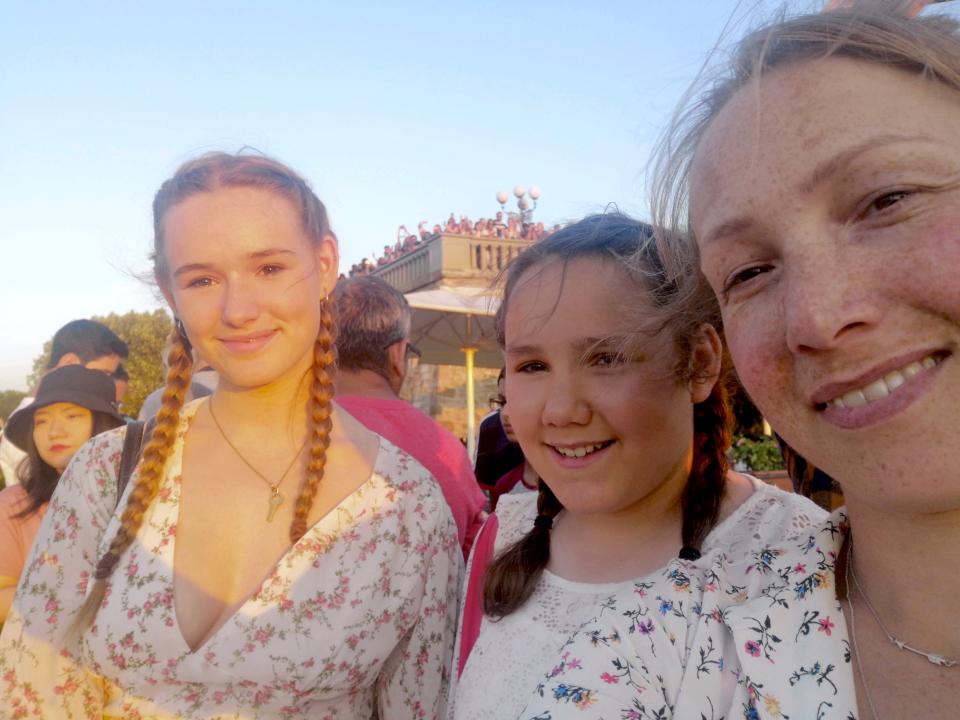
[[270, 557], [617, 396]]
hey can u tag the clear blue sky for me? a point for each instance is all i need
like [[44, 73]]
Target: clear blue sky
[[396, 112]]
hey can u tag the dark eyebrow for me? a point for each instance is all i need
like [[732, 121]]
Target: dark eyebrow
[[521, 350], [581, 345], [821, 173], [258, 255]]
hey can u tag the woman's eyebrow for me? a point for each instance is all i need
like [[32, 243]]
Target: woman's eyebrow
[[832, 165], [258, 255]]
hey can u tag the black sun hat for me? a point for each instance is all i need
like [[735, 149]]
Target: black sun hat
[[92, 389]]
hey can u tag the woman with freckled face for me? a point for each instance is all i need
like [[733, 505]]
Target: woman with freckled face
[[270, 557], [819, 177]]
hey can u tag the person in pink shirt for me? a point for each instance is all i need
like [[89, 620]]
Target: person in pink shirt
[[373, 353]]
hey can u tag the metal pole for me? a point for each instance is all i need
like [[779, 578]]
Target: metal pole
[[471, 403]]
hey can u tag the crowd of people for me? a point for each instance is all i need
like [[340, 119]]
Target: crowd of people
[[515, 227], [301, 543]]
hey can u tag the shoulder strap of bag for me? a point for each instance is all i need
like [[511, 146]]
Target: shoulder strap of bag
[[473, 602], [132, 446]]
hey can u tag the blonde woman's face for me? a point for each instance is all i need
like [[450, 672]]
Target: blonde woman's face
[[247, 283], [59, 429], [826, 204]]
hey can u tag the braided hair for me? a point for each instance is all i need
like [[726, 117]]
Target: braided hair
[[206, 174]]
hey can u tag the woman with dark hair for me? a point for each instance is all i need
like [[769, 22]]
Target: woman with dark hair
[[617, 395], [270, 557], [72, 405]]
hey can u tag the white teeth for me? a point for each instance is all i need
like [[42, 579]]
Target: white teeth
[[876, 390], [912, 369], [854, 398], [879, 389], [578, 452], [894, 380]]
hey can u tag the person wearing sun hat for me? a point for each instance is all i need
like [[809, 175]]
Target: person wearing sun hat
[[72, 405]]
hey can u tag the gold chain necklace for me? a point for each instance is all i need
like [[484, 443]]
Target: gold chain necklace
[[276, 497]]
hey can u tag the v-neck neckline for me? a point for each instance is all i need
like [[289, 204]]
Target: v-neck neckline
[[173, 472]]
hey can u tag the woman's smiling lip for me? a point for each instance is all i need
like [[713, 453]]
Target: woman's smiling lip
[[59, 448], [248, 342], [833, 390], [876, 411]]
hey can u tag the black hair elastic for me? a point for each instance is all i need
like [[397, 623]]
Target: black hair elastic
[[689, 553], [543, 521]]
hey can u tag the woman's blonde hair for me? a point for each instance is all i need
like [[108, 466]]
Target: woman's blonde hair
[[202, 175], [877, 31]]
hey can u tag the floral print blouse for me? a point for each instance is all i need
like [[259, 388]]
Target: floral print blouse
[[756, 637], [355, 621]]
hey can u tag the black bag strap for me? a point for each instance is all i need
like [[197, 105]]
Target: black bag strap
[[132, 446]]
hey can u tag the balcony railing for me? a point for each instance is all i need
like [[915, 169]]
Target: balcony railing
[[464, 259]]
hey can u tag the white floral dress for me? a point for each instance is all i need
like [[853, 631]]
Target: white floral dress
[[512, 654], [761, 636], [355, 621]]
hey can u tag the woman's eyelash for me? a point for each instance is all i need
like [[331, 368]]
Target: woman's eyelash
[[743, 276], [533, 366], [887, 200]]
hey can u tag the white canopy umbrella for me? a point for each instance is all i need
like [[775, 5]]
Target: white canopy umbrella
[[454, 326]]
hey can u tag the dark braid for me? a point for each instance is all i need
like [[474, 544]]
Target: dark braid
[[513, 575], [705, 486]]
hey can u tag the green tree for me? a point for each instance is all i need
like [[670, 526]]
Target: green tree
[[145, 333], [9, 399]]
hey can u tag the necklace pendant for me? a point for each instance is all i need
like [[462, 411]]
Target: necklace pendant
[[941, 661], [276, 500]]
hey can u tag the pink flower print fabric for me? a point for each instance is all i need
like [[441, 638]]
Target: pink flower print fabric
[[355, 621]]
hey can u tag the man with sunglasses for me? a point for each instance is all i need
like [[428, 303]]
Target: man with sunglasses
[[374, 353]]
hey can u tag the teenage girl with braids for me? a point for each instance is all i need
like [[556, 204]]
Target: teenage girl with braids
[[617, 397], [270, 558]]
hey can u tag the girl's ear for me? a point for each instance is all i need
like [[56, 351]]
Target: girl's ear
[[168, 296], [327, 257], [706, 358]]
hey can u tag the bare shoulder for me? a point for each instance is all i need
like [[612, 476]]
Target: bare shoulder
[[739, 489], [350, 433]]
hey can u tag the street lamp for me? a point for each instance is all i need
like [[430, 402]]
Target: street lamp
[[524, 212]]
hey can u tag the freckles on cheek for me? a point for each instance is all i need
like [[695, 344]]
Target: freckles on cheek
[[943, 238], [760, 359]]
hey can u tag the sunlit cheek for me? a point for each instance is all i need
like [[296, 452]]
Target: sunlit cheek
[[758, 348], [935, 264]]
